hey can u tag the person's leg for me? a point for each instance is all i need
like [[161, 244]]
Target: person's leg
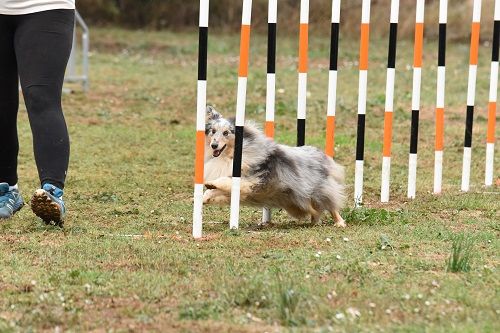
[[10, 199], [43, 44], [9, 103]]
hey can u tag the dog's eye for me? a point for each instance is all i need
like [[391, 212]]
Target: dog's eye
[[226, 133], [213, 131]]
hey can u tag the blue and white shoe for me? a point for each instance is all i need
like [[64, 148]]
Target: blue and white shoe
[[10, 201], [47, 204]]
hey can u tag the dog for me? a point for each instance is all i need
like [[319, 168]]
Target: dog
[[303, 181]]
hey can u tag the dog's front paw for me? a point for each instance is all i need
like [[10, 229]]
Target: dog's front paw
[[207, 196], [216, 197]]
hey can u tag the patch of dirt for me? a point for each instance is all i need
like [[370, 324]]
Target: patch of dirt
[[12, 239], [429, 113], [7, 287], [121, 314], [106, 45]]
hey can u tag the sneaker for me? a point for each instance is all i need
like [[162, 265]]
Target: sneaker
[[48, 205], [10, 201]]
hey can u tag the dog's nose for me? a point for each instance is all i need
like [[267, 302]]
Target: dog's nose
[[214, 145]]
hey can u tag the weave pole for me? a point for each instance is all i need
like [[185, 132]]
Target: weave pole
[[363, 81], [332, 79], [240, 112], [492, 105], [440, 92], [302, 84], [201, 106], [471, 94], [415, 98], [272, 17], [389, 101]]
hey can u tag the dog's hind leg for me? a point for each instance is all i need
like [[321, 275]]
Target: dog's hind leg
[[315, 218], [315, 215], [338, 220]]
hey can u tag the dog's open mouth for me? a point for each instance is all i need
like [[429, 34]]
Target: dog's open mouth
[[217, 152]]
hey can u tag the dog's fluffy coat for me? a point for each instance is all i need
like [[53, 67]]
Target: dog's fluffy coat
[[301, 180]]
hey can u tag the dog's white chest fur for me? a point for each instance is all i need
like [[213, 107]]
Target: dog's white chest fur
[[217, 167]]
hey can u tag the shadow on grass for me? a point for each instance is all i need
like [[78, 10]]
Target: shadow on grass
[[284, 226], [352, 216]]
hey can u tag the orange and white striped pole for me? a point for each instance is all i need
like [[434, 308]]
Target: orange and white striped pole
[[240, 112], [302, 84], [471, 94], [272, 18], [440, 92], [332, 80], [389, 101], [492, 105], [363, 82], [415, 98], [201, 107]]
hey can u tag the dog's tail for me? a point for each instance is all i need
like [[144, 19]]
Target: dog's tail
[[337, 185], [337, 172]]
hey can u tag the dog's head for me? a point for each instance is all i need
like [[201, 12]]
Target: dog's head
[[219, 132]]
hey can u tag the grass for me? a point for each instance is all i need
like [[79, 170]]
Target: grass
[[125, 260]]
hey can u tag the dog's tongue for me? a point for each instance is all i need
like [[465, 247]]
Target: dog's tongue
[[216, 153]]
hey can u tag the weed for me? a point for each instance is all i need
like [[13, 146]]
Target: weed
[[106, 197], [372, 216], [385, 243], [288, 298], [6, 327], [246, 291], [461, 253], [200, 311], [357, 272]]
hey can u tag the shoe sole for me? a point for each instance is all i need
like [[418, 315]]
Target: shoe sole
[[46, 209]]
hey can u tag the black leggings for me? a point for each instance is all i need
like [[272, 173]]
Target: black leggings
[[35, 47]]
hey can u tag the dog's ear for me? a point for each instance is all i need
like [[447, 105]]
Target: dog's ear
[[208, 127], [232, 121], [212, 114]]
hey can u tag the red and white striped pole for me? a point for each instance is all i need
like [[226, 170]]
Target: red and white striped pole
[[201, 107], [332, 79], [415, 100], [272, 17], [471, 94], [440, 92], [492, 105], [389, 101], [240, 112], [363, 81], [302, 84]]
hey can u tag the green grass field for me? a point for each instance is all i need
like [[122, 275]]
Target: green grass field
[[125, 260]]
